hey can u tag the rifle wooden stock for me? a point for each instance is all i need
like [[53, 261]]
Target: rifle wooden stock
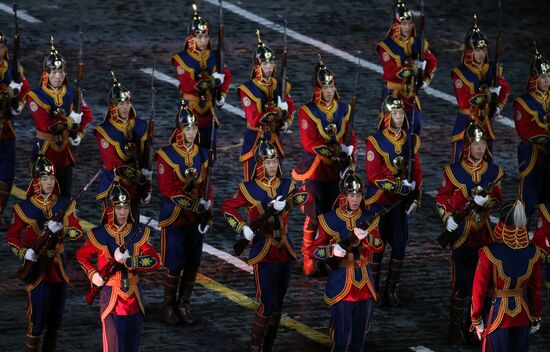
[[419, 79], [16, 69], [445, 238], [219, 54]]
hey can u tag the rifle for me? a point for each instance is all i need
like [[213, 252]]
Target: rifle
[[219, 54], [459, 216], [150, 125], [79, 76], [419, 79], [241, 243], [15, 68], [282, 87], [111, 267], [47, 236], [497, 65], [344, 157], [206, 215]]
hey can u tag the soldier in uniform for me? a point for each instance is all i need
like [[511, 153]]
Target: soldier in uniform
[[123, 141], [268, 110], [200, 84], [46, 284], [124, 243], [506, 300], [12, 101], [185, 215], [350, 289], [542, 240], [472, 186], [476, 84], [532, 120], [391, 153], [400, 58], [58, 125], [324, 131], [272, 252]]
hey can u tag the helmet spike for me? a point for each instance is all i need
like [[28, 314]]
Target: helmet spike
[[320, 59]]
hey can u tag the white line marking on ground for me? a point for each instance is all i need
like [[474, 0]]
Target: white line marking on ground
[[22, 14], [330, 49], [421, 349], [165, 78]]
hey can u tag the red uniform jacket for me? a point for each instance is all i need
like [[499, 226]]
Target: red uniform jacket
[[6, 76]]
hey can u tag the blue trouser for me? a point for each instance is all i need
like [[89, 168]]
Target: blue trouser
[[350, 324], [464, 262], [46, 304], [324, 195], [7, 161], [272, 281], [64, 179], [394, 229], [121, 333], [181, 248], [206, 138], [508, 340], [533, 186]]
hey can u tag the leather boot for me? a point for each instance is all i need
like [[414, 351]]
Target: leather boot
[[391, 298], [309, 263], [258, 333], [186, 288], [49, 344], [375, 270], [169, 313], [456, 322], [32, 343], [271, 331], [5, 190]]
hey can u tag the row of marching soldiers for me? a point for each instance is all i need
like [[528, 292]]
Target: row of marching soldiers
[[496, 271]]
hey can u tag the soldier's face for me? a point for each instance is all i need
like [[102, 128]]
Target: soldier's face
[[397, 118], [124, 109], [121, 214], [327, 93], [543, 82], [190, 133], [47, 183], [479, 55], [354, 200], [267, 68], [477, 150], [202, 39], [270, 167], [406, 27], [56, 77]]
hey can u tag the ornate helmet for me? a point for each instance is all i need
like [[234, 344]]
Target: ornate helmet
[[475, 39], [265, 150], [351, 183], [262, 53], [322, 75], [511, 229], [389, 104], [539, 65], [118, 93], [117, 195], [3, 39], [474, 133], [197, 24], [54, 60], [401, 12], [41, 166], [184, 116]]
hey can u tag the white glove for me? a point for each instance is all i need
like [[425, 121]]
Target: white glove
[[248, 233], [97, 280], [206, 204], [30, 255], [361, 234], [146, 199], [15, 88], [495, 90], [204, 230], [534, 328], [16, 112], [278, 204], [497, 115], [338, 251], [411, 185], [481, 200], [420, 64], [285, 126], [148, 174], [75, 142], [77, 117], [219, 77], [424, 86], [412, 208], [121, 257], [479, 330], [348, 149], [219, 103], [283, 105], [54, 226], [451, 224]]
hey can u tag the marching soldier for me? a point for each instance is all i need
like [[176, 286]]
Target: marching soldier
[[197, 69], [13, 92], [400, 56], [474, 87], [58, 125], [471, 187], [46, 283], [186, 213], [542, 240], [506, 300], [391, 153], [350, 288], [267, 112], [124, 142], [324, 130], [121, 300], [272, 252], [532, 120]]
